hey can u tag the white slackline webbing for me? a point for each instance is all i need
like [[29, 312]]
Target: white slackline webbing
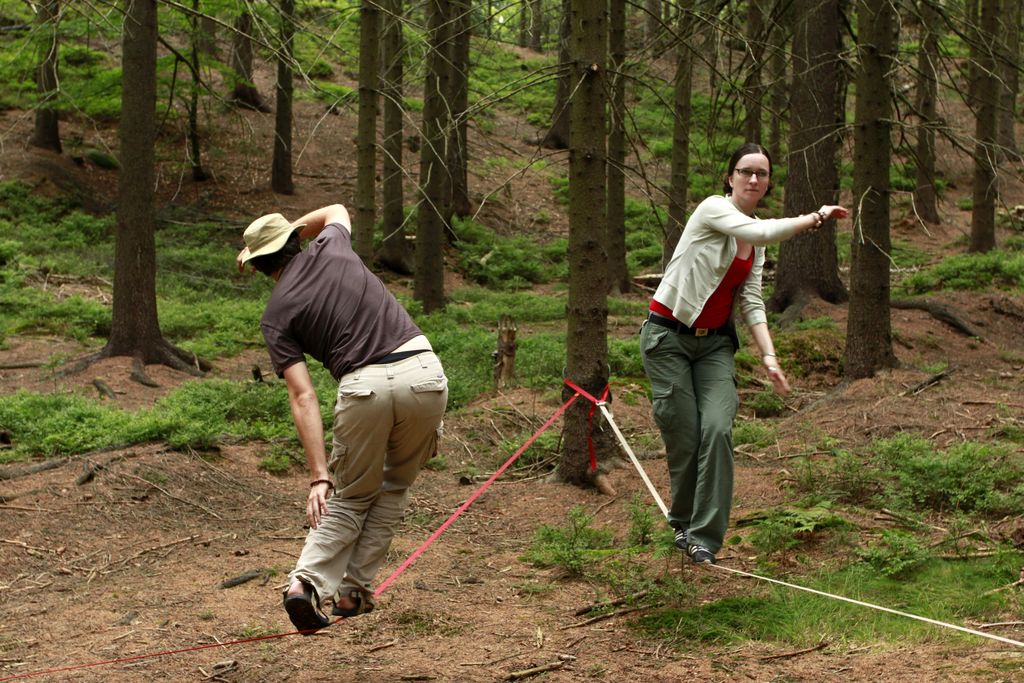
[[664, 510], [632, 457]]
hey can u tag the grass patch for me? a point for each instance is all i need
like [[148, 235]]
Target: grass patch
[[907, 472], [196, 415], [507, 263], [998, 269], [947, 591], [755, 432], [573, 547]]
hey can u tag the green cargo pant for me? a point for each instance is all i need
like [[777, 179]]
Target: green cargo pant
[[693, 394], [387, 420]]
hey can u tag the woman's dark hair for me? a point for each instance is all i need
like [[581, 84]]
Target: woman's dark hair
[[268, 263], [744, 150]]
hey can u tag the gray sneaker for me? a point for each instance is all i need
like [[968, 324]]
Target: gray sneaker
[[700, 554]]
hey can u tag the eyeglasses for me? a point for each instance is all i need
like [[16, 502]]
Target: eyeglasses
[[747, 172]]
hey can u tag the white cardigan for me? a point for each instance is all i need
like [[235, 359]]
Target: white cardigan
[[705, 251]]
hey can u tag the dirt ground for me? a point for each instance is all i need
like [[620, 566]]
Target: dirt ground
[[120, 567]]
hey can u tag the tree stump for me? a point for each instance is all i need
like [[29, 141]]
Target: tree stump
[[505, 355]]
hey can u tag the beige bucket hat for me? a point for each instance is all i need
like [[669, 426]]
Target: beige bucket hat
[[267, 234]]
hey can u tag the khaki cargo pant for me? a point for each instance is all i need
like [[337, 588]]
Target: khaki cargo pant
[[387, 421], [693, 395]]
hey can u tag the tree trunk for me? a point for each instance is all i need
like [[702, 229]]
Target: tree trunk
[[432, 213], [587, 345], [618, 272], [983, 212], [652, 24], [195, 148], [779, 88], [208, 36], [678, 197], [557, 136], [244, 92], [395, 253], [1009, 76], [134, 329], [808, 263], [925, 196], [524, 23], [458, 150], [134, 326], [46, 134], [755, 53], [869, 328], [711, 49], [536, 34], [281, 167], [366, 135]]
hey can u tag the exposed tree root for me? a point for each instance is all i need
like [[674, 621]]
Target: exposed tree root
[[1006, 306], [161, 353], [15, 472], [940, 312], [138, 374]]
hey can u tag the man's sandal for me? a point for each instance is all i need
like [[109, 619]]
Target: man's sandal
[[362, 606], [304, 610]]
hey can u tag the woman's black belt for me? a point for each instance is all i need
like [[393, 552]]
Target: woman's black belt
[[686, 329]]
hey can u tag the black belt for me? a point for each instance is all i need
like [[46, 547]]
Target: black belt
[[397, 356], [679, 327]]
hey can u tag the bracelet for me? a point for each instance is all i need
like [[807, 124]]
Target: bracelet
[[330, 484], [768, 354]]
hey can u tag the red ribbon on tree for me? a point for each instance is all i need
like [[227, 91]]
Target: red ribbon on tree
[[594, 402]]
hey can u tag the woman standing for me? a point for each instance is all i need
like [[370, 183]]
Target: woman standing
[[688, 342]]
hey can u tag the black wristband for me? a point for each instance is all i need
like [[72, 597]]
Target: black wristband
[[330, 484]]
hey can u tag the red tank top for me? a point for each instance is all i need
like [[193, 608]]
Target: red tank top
[[718, 307]]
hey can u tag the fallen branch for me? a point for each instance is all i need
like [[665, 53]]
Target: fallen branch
[[1001, 623], [969, 556], [921, 386], [600, 617], [243, 578], [219, 669], [26, 546], [602, 506], [795, 653], [957, 537], [162, 546], [15, 472], [1018, 582], [884, 513], [991, 403], [526, 673], [613, 603], [171, 495], [24, 365], [23, 509]]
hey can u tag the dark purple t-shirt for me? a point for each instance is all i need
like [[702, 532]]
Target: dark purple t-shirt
[[329, 305]]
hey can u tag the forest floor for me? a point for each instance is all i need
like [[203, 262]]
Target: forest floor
[[122, 567]]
